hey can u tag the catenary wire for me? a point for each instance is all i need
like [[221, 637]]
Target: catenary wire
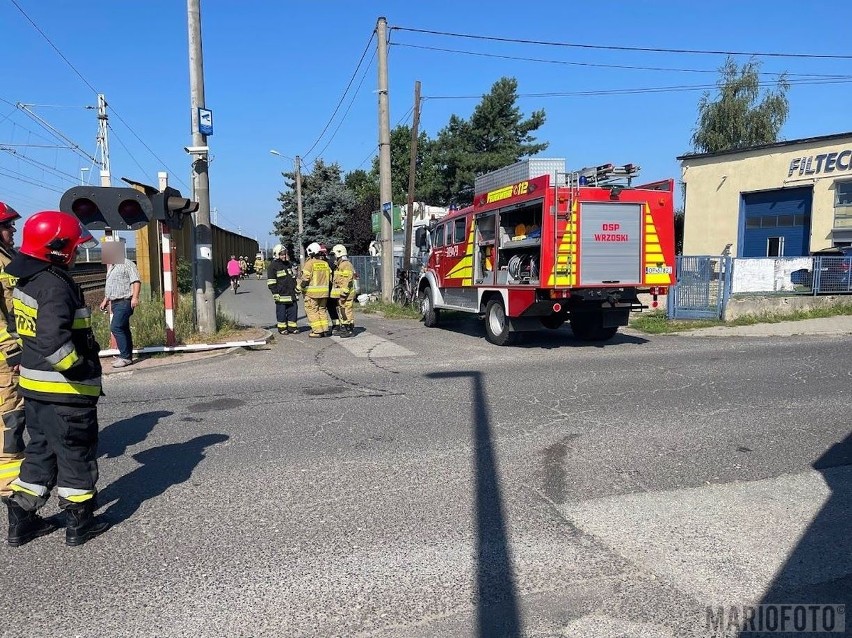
[[124, 146], [765, 54], [342, 97]]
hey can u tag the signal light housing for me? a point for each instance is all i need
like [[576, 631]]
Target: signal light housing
[[106, 207]]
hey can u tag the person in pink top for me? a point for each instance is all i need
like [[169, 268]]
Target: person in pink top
[[234, 273]]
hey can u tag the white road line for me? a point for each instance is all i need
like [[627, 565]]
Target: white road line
[[365, 344]]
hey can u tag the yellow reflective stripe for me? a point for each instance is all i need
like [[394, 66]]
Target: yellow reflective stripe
[[62, 352], [12, 468], [74, 494], [78, 499], [311, 289], [269, 282], [60, 387], [20, 488], [67, 361], [281, 273], [81, 324]]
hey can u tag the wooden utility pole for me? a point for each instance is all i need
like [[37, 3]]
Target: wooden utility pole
[[412, 168], [385, 190], [205, 298]]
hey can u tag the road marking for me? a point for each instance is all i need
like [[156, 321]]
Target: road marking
[[365, 344]]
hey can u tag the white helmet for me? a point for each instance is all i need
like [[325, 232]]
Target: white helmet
[[313, 249], [339, 250], [277, 249]]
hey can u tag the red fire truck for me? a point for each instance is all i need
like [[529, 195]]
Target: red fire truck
[[536, 252]]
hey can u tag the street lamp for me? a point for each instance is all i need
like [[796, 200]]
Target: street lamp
[[83, 181], [298, 166]]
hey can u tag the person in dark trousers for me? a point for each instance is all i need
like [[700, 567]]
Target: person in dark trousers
[[60, 380], [281, 281], [121, 296]]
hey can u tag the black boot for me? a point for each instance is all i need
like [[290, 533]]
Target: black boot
[[345, 331], [82, 524], [24, 526]]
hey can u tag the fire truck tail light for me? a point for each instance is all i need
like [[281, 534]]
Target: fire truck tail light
[[658, 290], [559, 294], [557, 307]]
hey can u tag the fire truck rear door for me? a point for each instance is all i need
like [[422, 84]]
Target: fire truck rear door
[[610, 243]]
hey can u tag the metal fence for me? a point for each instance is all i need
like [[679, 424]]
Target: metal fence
[[369, 270], [792, 275], [703, 287]]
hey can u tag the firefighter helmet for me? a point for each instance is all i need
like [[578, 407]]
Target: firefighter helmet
[[277, 249], [313, 249], [7, 213], [55, 237], [339, 250]]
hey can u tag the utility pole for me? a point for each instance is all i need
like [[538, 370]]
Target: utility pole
[[299, 240], [385, 194], [412, 167], [205, 306]]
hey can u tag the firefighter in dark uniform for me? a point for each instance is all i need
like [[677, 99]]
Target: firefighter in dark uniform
[[60, 380], [281, 281], [331, 305]]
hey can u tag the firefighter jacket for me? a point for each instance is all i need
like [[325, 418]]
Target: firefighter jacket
[[10, 351], [59, 363], [281, 281], [343, 285], [316, 278]]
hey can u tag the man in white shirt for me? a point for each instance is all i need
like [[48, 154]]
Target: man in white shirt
[[121, 295]]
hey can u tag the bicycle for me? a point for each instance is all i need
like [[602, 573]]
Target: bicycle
[[404, 293]]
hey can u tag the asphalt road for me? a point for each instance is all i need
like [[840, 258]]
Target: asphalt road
[[421, 482]]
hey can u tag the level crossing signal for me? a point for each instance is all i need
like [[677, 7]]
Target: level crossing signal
[[118, 208]]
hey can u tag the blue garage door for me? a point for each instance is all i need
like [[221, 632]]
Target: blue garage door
[[777, 223]]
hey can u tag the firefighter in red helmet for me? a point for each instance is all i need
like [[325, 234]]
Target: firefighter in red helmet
[[11, 402], [60, 381]]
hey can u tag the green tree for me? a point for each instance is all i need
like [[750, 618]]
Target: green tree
[[735, 119], [328, 207], [495, 136], [365, 187]]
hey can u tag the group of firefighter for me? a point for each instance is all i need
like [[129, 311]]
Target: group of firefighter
[[327, 282]]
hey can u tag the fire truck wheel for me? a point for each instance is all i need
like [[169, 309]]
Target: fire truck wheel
[[427, 308], [497, 325], [587, 327]]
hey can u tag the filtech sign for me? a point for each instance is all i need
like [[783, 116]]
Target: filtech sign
[[824, 163]]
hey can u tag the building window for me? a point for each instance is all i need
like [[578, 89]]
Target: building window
[[775, 247], [843, 204]]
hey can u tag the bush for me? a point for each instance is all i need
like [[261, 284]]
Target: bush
[[184, 276]]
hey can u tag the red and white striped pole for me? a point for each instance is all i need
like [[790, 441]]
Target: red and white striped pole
[[168, 283]]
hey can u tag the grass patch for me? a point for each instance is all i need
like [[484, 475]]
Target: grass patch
[[390, 310], [148, 324], [657, 323]]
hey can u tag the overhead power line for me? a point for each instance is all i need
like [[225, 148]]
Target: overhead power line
[[657, 89], [349, 106], [602, 47], [342, 97], [597, 64]]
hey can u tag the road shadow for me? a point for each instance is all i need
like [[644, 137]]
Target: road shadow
[[543, 339], [819, 569], [114, 439], [161, 468], [498, 615]]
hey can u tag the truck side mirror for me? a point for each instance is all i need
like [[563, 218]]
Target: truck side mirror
[[420, 238]]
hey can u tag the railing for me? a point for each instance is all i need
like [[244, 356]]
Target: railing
[[369, 270], [793, 275]]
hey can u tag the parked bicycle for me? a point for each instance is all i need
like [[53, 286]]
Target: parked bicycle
[[404, 292]]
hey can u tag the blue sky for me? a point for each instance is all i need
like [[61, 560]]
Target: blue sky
[[274, 72]]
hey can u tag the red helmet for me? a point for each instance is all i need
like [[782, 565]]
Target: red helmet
[[7, 213], [54, 237]]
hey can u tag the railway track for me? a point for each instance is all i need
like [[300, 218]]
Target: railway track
[[89, 276]]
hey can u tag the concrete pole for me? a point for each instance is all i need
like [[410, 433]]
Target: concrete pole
[[412, 167], [385, 192], [299, 237], [205, 306]]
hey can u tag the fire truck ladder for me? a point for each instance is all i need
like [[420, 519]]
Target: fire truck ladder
[[606, 174]]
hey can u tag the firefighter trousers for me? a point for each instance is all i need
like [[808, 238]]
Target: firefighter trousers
[[286, 315], [62, 451], [11, 428], [345, 308], [317, 315]]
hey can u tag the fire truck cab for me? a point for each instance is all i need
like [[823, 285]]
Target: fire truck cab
[[539, 247]]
